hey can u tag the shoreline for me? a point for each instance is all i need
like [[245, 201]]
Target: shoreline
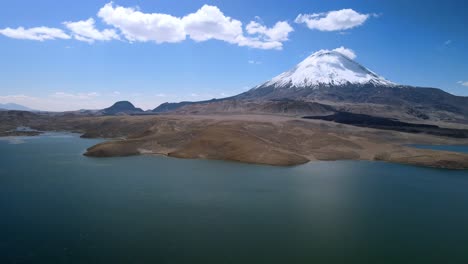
[[436, 164], [455, 162], [255, 139], [271, 143]]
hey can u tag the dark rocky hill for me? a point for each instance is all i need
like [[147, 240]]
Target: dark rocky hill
[[122, 107]]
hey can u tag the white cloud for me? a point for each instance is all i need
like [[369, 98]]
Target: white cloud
[[448, 42], [36, 33], [138, 26], [207, 23], [464, 83], [279, 32], [254, 62], [333, 21], [210, 23], [263, 37], [259, 44], [85, 30], [347, 52], [79, 96]]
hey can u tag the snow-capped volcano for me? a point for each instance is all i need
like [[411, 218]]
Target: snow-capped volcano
[[330, 81], [326, 68]]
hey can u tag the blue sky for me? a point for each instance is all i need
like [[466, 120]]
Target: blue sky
[[151, 52]]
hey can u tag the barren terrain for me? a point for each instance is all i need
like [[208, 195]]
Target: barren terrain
[[260, 139]]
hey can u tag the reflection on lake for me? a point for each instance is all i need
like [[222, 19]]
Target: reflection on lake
[[61, 207]]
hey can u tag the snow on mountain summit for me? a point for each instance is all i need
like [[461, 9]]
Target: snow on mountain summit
[[329, 68]]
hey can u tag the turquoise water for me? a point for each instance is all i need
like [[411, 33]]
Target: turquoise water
[[454, 148], [58, 206]]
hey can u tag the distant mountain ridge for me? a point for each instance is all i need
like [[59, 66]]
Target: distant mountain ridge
[[17, 107], [325, 83], [167, 107]]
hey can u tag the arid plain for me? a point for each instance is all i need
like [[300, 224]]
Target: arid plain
[[260, 139]]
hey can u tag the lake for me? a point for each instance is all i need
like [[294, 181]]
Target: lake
[[462, 149], [58, 206]]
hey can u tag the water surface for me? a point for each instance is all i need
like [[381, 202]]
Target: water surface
[[58, 206], [453, 148]]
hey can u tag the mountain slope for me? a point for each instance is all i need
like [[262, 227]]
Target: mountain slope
[[332, 79], [168, 107], [13, 106], [122, 107], [326, 68]]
